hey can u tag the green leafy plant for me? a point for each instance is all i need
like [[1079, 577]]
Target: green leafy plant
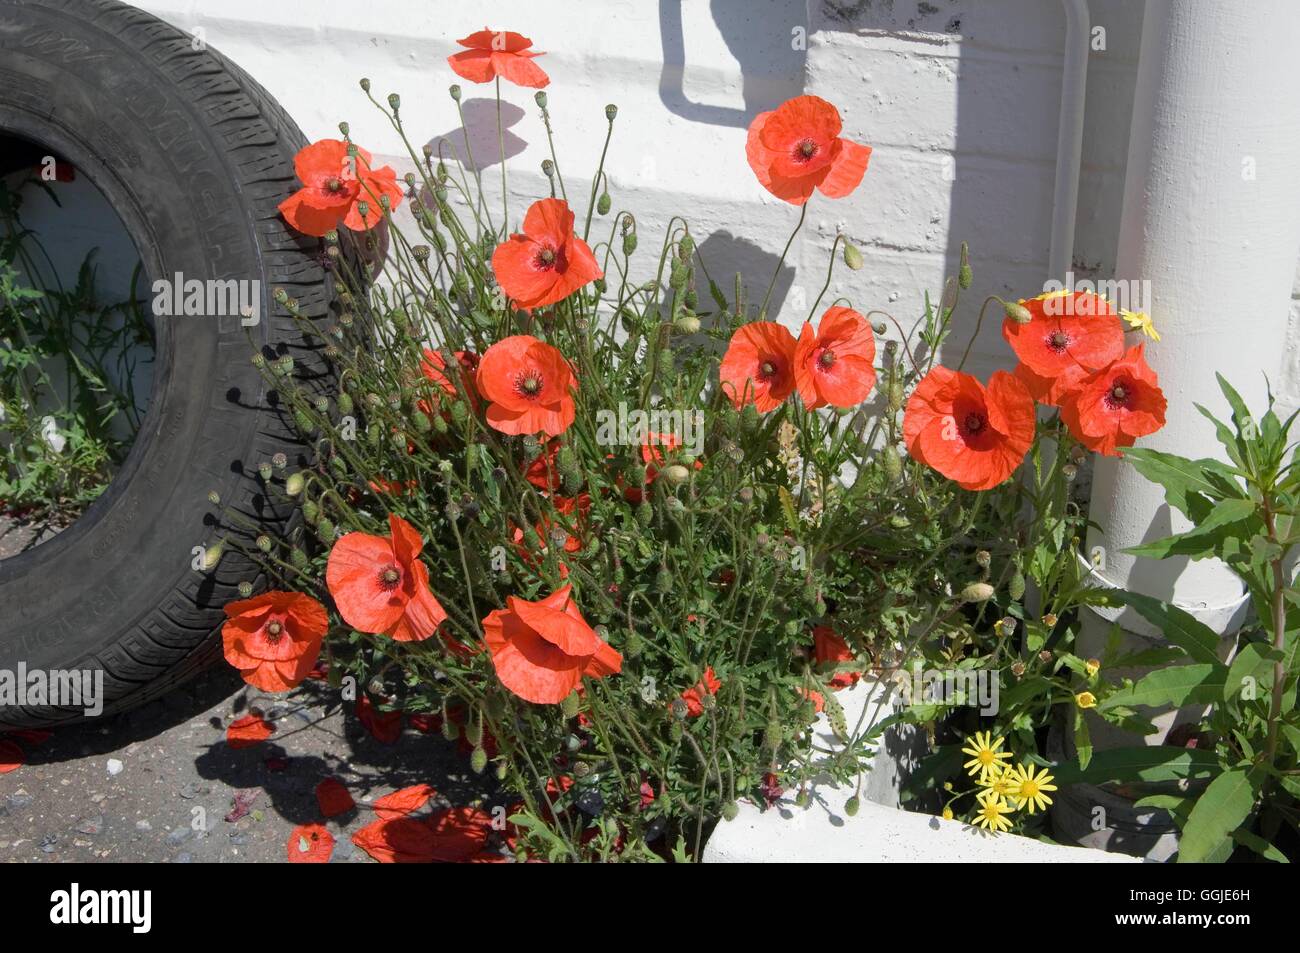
[[1244, 512]]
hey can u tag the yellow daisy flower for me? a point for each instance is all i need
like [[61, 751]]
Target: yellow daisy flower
[[1092, 667], [1086, 700], [1001, 786], [1027, 788], [992, 815], [986, 759], [947, 814], [1140, 321]]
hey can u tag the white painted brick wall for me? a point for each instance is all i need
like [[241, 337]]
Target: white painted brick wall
[[964, 87]]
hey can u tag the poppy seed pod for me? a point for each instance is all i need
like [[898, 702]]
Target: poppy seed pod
[[540, 98], [245, 589], [394, 102], [365, 84], [964, 276], [611, 111], [454, 90]]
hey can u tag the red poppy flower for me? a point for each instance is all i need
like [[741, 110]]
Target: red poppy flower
[[380, 585], [541, 650], [817, 698], [1068, 335], [829, 649], [274, 639], [1114, 406], [797, 148], [453, 835], [758, 367], [547, 262], [694, 696], [310, 844], [544, 472], [334, 186], [384, 726], [529, 384], [248, 731], [403, 802], [771, 789], [434, 366], [836, 364], [493, 53], [333, 798], [576, 509], [11, 756], [972, 435]]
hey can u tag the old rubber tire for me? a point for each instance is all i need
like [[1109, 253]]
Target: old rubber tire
[[195, 157]]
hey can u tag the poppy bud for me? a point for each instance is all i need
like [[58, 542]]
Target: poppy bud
[[772, 735], [1017, 312], [611, 111], [603, 203], [571, 481], [687, 324], [212, 556], [665, 361], [455, 91], [977, 592], [632, 645], [852, 257], [629, 244], [450, 730], [570, 705], [478, 760], [365, 84], [899, 521], [851, 806], [664, 580], [540, 98], [325, 530], [964, 275], [730, 811], [893, 463], [502, 770], [644, 514], [293, 486], [245, 589], [297, 558], [803, 798], [676, 474], [310, 511]]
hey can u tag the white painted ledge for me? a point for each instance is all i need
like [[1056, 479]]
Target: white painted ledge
[[823, 833]]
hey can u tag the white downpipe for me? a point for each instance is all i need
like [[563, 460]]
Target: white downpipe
[[1069, 137], [1212, 220]]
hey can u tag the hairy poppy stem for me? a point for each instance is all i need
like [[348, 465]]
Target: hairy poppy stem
[[501, 145], [762, 312]]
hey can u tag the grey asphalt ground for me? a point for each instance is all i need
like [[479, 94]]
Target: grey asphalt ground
[[160, 784]]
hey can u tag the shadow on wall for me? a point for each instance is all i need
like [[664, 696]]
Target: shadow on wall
[[479, 135], [760, 34]]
